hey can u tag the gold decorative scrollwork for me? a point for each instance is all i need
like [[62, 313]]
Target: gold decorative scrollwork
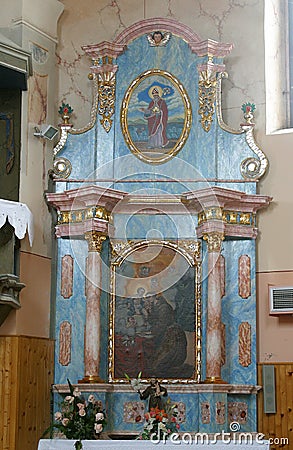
[[106, 88], [76, 216], [206, 97], [214, 241], [95, 240]]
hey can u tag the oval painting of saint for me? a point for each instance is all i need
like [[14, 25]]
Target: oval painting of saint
[[155, 116]]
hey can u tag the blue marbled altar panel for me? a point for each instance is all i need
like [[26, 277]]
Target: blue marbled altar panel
[[177, 59], [169, 226], [74, 310], [236, 310], [79, 149], [71, 310]]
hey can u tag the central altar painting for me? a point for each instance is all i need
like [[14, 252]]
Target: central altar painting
[[155, 116], [153, 314]]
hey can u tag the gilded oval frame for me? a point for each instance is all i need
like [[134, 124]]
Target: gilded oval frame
[[150, 79]]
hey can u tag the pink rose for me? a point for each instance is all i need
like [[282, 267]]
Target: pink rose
[[65, 421], [58, 415], [82, 412]]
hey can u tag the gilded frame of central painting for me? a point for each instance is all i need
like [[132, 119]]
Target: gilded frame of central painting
[[156, 116], [155, 311]]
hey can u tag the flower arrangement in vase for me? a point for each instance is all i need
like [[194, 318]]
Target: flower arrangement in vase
[[79, 419]]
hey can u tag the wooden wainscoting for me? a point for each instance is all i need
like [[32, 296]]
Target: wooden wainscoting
[[26, 376], [278, 425]]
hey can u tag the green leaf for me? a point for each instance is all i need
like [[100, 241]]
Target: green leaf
[[70, 386], [78, 445]]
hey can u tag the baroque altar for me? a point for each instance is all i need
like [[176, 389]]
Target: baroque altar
[[155, 210]]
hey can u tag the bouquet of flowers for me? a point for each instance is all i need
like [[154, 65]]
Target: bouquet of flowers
[[79, 419], [160, 423]]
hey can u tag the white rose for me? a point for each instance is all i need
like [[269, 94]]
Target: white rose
[[98, 427], [76, 392], [91, 398], [99, 416]]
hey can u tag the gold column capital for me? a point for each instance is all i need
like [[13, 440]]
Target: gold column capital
[[95, 240], [214, 240]]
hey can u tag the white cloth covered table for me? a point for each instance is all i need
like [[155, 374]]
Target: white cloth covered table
[[19, 216], [65, 444]]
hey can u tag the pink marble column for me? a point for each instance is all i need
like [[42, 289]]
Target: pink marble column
[[213, 352], [92, 348]]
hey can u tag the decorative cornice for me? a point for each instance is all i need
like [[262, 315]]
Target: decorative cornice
[[80, 215], [208, 47], [218, 209], [149, 25], [173, 386], [95, 240], [228, 216], [211, 48], [105, 48]]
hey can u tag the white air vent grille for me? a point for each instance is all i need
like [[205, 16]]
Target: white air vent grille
[[281, 300]]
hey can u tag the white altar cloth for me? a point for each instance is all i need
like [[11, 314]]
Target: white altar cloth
[[19, 216], [65, 444]]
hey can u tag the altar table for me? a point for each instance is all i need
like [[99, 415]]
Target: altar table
[[65, 444]]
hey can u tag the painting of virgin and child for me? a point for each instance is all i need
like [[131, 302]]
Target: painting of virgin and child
[[154, 327]]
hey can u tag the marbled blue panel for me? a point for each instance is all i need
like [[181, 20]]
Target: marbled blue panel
[[80, 150], [236, 310], [72, 310], [247, 187], [231, 151], [155, 227], [177, 59]]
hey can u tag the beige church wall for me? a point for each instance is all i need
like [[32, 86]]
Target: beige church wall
[[275, 332], [33, 27], [33, 318]]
